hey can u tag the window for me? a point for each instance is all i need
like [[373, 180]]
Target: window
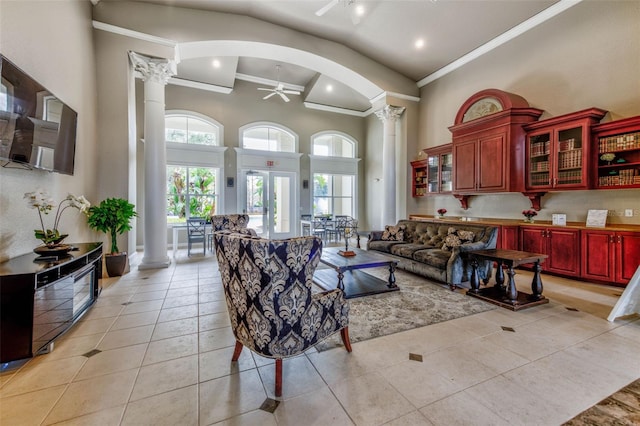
[[333, 194], [335, 171], [194, 164], [333, 145], [182, 128], [191, 192], [268, 138]]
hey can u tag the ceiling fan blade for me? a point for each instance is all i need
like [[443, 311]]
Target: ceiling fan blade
[[291, 92], [326, 8], [283, 96], [269, 95]]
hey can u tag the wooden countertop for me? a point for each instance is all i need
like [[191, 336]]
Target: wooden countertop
[[517, 222]]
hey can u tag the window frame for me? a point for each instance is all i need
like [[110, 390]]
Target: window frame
[[268, 124], [198, 116]]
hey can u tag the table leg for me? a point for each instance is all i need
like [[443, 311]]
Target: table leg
[[474, 281], [175, 241], [341, 280], [499, 275], [536, 283], [357, 240], [392, 276], [512, 291]]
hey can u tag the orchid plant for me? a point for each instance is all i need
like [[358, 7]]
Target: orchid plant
[[43, 203]]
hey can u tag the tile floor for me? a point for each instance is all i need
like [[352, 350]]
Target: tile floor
[[165, 347]]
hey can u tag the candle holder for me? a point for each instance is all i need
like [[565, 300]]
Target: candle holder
[[346, 252]]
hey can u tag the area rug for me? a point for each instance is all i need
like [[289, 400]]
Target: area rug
[[621, 408], [419, 303]]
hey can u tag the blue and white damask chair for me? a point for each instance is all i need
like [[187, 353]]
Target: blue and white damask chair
[[267, 286], [233, 222]]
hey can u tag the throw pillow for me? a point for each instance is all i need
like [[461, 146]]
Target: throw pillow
[[457, 237], [393, 233]]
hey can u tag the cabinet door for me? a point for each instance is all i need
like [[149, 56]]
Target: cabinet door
[[492, 163], [464, 166], [571, 151], [598, 255], [532, 240], [508, 237], [563, 247], [627, 255], [539, 157]]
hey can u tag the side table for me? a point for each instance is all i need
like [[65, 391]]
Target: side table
[[507, 297]]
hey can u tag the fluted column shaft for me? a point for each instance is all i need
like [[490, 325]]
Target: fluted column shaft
[[156, 73], [389, 116]]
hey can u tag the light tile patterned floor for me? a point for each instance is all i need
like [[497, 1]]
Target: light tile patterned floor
[[165, 349]]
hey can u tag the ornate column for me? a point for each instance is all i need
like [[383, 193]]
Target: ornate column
[[156, 73], [389, 115]]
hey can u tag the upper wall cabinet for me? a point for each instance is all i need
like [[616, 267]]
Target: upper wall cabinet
[[558, 151], [616, 154], [488, 143]]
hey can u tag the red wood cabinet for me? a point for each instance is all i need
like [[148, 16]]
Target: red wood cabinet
[[558, 151], [508, 237], [562, 245], [420, 176], [488, 142], [620, 140], [608, 256]]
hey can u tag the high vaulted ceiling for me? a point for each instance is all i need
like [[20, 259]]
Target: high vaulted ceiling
[[386, 31]]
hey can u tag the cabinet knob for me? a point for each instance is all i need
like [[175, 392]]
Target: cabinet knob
[[619, 239]]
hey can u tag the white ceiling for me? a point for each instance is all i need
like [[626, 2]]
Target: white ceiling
[[386, 32]]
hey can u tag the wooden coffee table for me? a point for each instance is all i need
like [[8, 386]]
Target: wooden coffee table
[[346, 274]]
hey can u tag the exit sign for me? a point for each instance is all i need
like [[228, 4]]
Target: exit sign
[[270, 163]]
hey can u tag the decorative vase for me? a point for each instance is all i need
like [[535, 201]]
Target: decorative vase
[[116, 264], [56, 250], [528, 219]]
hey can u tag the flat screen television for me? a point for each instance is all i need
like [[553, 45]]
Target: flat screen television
[[37, 130]]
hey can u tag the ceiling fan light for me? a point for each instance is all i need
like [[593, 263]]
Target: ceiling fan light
[[216, 63]]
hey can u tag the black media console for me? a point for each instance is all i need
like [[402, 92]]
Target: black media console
[[41, 297]]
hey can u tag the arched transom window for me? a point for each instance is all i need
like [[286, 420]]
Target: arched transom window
[[266, 137], [183, 128], [333, 145]]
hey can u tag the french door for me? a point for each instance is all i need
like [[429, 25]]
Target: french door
[[270, 200]]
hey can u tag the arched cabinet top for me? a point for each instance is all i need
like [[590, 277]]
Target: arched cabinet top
[[488, 102]]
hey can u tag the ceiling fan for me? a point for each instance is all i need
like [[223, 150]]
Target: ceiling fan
[[279, 89]]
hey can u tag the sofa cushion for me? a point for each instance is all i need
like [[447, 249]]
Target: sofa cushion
[[393, 233], [406, 249], [383, 246], [457, 237], [434, 257]]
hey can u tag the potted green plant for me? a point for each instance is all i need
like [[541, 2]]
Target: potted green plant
[[113, 217]]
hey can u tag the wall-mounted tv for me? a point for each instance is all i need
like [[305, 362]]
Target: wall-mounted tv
[[37, 130]]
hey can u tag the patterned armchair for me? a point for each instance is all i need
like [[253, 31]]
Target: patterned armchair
[[229, 221], [267, 285]]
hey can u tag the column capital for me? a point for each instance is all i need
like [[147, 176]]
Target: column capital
[[389, 112], [155, 70]]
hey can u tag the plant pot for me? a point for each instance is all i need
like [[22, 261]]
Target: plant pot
[[116, 264]]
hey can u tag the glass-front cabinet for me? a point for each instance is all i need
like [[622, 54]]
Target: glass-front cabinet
[[433, 174], [617, 154], [440, 161], [558, 151]]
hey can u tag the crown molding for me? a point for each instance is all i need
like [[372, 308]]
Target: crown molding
[[201, 86], [337, 110]]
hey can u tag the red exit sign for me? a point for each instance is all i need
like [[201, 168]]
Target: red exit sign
[[270, 163]]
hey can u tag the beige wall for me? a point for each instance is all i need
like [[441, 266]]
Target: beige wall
[[589, 56], [53, 43]]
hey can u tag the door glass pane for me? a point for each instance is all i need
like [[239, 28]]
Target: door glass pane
[[282, 204], [255, 206]]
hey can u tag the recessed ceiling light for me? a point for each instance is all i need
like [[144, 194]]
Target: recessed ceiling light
[[419, 44], [329, 88], [360, 10], [215, 63]]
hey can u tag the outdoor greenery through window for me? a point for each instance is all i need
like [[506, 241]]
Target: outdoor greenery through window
[[268, 138], [191, 130], [191, 192], [333, 194]]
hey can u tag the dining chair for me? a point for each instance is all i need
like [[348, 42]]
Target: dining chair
[[196, 233]]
